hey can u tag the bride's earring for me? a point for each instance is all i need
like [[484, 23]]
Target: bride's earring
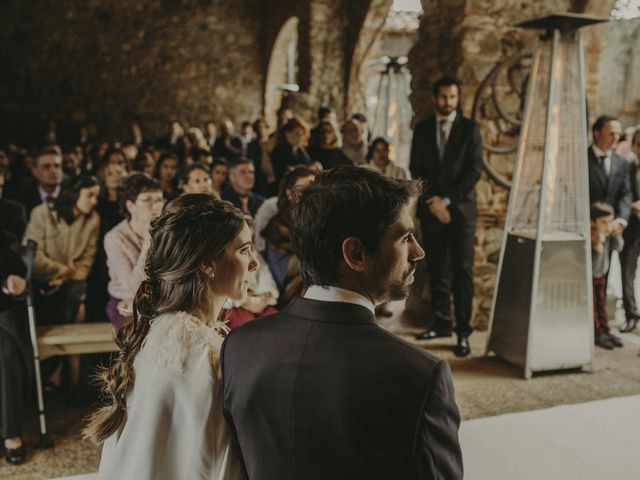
[[208, 272]]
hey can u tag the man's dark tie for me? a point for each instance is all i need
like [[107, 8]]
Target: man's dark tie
[[604, 168], [442, 139], [49, 199]]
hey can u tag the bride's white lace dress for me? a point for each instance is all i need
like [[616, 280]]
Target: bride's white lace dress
[[174, 428]]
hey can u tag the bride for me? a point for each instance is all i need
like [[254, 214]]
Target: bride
[[164, 416]]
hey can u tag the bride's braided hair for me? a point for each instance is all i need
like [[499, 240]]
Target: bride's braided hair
[[191, 232]]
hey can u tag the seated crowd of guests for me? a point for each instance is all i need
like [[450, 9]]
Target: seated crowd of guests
[[89, 205]]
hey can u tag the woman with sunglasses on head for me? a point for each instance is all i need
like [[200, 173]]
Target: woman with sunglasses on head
[[164, 416], [66, 233]]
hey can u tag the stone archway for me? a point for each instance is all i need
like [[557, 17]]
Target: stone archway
[[369, 33], [281, 69]]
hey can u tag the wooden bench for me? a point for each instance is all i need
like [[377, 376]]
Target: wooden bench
[[75, 339]]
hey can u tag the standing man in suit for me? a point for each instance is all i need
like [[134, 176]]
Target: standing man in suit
[[447, 154], [47, 179], [319, 391], [631, 250], [609, 181], [608, 171]]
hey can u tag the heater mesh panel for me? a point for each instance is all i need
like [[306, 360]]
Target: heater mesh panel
[[524, 218], [565, 184]]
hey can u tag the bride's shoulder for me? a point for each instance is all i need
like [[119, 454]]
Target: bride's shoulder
[[174, 336]]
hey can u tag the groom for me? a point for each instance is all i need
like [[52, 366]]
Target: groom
[[319, 391]]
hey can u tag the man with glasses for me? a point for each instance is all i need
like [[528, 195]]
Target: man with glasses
[[127, 243], [47, 179]]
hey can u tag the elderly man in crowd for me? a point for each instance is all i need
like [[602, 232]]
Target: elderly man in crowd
[[45, 185], [239, 191]]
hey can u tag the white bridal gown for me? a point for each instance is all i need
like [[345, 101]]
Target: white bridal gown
[[174, 428]]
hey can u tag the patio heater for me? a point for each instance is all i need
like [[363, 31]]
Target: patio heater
[[542, 314]]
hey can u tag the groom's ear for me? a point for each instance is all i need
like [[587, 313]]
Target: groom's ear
[[353, 254]]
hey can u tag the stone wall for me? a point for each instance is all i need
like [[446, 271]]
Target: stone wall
[[110, 61], [619, 72], [107, 62], [332, 38]]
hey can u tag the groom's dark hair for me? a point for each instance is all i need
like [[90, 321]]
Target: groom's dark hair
[[346, 201]]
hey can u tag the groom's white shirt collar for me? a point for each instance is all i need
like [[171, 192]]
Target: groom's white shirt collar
[[336, 294]]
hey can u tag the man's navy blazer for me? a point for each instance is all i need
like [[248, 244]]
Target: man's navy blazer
[[615, 189], [319, 391]]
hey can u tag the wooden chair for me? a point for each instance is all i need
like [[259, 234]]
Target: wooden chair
[[76, 338]]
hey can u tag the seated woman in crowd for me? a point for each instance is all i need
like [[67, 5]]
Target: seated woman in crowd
[[379, 160], [117, 156], [109, 175], [328, 151], [258, 152], [145, 162], [127, 243], [164, 414], [167, 175], [202, 156], [284, 265], [108, 208], [228, 145], [195, 140], [354, 146], [16, 360], [67, 235], [291, 148], [219, 174], [72, 161], [196, 179]]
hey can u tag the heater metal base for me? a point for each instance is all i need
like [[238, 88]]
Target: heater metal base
[[547, 326]]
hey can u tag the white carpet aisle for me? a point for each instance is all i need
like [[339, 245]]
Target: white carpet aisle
[[589, 441]]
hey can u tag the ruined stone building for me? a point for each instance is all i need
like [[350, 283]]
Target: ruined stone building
[[107, 62]]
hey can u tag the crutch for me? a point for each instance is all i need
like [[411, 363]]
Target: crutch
[[29, 257]]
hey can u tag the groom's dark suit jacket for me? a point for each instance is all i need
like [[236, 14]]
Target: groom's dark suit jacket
[[319, 391]]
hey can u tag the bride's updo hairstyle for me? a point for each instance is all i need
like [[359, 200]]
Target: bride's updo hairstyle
[[191, 233]]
